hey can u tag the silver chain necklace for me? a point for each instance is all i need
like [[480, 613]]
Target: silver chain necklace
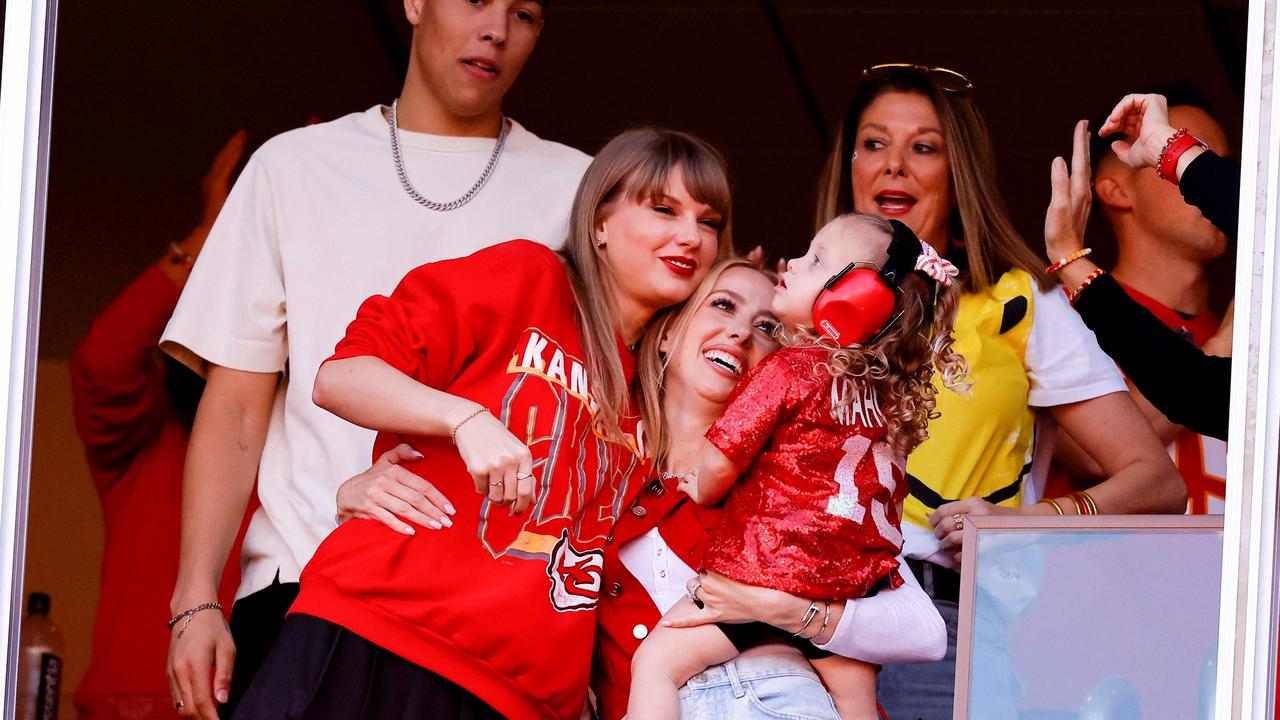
[[417, 196]]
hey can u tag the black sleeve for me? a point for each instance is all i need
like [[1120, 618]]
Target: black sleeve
[[1191, 388], [1212, 184]]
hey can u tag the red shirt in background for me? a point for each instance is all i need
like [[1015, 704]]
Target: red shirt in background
[[136, 444], [1201, 460]]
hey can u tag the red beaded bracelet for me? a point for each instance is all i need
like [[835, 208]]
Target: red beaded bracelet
[[1067, 260], [1073, 294], [1177, 144]]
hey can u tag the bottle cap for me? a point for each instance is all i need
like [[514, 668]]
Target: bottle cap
[[38, 604]]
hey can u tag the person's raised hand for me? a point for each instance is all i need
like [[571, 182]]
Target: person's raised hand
[[1144, 119], [500, 464], [1071, 198], [392, 495], [201, 657], [214, 189], [756, 257], [216, 185]]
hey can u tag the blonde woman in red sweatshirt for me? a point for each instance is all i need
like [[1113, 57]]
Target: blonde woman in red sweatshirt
[[510, 372]]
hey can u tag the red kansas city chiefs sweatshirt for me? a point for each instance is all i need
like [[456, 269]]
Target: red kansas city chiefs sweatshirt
[[503, 606]]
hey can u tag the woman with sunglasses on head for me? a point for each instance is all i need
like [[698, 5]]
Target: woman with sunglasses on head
[[520, 400], [913, 147], [703, 350]]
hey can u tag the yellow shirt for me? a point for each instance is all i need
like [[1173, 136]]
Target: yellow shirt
[[983, 441]]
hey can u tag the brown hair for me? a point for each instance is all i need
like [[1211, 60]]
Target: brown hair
[[898, 365], [980, 221], [634, 165], [672, 324]]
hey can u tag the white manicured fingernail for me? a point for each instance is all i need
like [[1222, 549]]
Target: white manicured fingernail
[[447, 522], [433, 524], [449, 509], [407, 530]]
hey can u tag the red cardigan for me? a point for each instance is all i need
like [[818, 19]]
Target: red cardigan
[[627, 613], [503, 606]]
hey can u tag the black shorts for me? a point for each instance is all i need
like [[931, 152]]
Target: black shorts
[[321, 671], [748, 635], [256, 621]]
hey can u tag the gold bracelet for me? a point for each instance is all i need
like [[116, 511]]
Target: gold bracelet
[[453, 431], [1093, 504], [1090, 507], [1054, 504]]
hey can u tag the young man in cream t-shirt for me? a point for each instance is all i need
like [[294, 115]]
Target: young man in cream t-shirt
[[320, 219]]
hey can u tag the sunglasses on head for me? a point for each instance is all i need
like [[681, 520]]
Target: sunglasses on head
[[946, 79]]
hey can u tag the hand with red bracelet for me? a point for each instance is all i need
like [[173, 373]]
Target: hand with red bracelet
[[1144, 121], [1068, 214]]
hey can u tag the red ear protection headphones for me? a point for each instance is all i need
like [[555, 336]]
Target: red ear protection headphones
[[857, 304]]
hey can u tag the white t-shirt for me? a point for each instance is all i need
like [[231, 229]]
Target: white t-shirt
[[316, 223], [1064, 365]]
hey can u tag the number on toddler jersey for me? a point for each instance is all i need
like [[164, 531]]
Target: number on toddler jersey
[[847, 503]]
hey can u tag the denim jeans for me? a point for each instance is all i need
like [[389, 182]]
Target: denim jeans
[[926, 691], [923, 691], [757, 687]]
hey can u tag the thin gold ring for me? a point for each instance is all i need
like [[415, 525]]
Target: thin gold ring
[[957, 521]]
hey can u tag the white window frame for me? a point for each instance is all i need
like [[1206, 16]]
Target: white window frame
[[1247, 624], [25, 100]]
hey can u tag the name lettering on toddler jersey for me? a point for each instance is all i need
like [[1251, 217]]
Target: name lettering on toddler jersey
[[864, 408]]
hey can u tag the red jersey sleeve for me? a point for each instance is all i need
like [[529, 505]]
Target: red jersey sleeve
[[760, 400], [117, 377], [441, 312]]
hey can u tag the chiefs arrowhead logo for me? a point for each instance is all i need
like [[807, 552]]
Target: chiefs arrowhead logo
[[575, 576]]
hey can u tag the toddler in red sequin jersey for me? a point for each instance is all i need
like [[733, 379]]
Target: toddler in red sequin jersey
[[819, 433]]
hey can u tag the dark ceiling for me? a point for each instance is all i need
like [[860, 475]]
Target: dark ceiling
[[146, 92]]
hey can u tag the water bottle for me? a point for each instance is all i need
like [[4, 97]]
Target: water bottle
[[39, 662]]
